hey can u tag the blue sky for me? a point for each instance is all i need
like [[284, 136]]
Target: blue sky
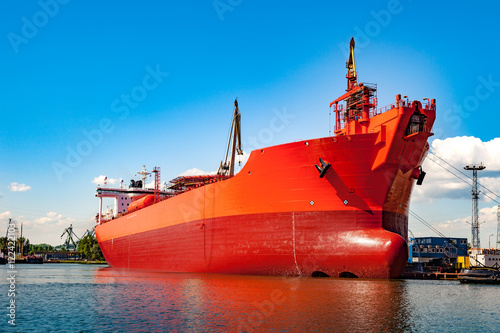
[[121, 84]]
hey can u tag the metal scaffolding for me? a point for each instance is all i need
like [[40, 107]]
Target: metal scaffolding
[[476, 242]]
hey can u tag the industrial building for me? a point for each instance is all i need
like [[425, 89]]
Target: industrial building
[[437, 251]]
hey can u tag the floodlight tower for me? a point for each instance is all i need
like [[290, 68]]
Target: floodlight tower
[[476, 243], [498, 227]]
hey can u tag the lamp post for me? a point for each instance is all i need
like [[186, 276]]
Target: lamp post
[[489, 241]]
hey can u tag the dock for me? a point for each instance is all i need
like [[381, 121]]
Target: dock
[[430, 275]]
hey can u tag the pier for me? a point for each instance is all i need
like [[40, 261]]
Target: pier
[[430, 275]]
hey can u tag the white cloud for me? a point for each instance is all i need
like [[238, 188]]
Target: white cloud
[[459, 152], [5, 215], [100, 180], [197, 172], [54, 219], [15, 187], [465, 150], [461, 227], [241, 160], [487, 223], [48, 228]]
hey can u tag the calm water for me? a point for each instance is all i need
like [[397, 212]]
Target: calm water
[[88, 298]]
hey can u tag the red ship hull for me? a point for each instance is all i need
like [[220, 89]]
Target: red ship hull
[[280, 216], [263, 245]]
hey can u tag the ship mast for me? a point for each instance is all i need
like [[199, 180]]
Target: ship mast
[[226, 167], [144, 174], [156, 171]]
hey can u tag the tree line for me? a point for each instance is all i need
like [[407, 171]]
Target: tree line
[[87, 246]]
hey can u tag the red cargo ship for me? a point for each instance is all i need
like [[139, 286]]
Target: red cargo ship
[[333, 206]]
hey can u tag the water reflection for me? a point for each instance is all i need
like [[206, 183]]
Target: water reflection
[[88, 298], [204, 302]]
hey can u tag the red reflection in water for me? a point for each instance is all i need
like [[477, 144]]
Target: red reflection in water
[[178, 302]]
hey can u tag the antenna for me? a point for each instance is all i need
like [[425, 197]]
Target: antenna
[[476, 242], [156, 171], [144, 175]]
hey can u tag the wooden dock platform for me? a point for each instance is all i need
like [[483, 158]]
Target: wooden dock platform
[[430, 275]]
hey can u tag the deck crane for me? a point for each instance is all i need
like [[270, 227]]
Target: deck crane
[[352, 78], [226, 167]]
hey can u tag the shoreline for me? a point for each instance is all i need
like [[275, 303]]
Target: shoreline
[[94, 262]]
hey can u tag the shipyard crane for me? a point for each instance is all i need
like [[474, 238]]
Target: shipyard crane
[[90, 232], [226, 167], [7, 230], [69, 239], [7, 234], [411, 243]]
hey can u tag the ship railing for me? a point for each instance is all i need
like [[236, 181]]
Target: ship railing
[[376, 112], [381, 110], [391, 106], [341, 123]]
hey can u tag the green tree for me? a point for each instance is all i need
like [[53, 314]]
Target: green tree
[[3, 244], [42, 247], [90, 249], [20, 244], [26, 246], [96, 252]]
